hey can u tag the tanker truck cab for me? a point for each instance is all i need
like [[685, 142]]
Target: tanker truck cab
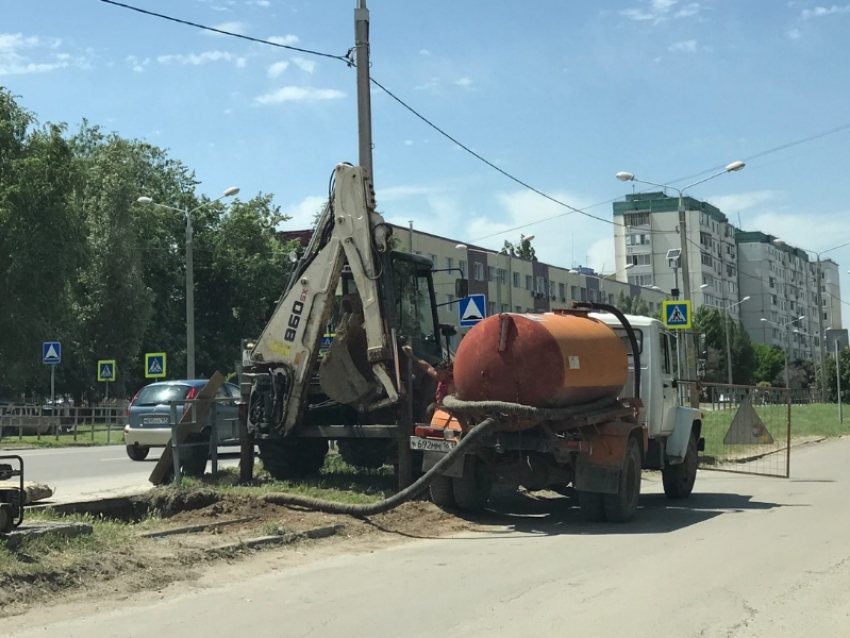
[[673, 429]]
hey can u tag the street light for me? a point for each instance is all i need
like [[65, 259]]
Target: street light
[[788, 351], [190, 274], [624, 176]]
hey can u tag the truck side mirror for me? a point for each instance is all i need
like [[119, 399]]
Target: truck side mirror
[[461, 288]]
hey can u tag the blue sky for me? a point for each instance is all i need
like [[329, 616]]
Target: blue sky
[[562, 94]]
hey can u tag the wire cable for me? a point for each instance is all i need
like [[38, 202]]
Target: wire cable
[[342, 58]]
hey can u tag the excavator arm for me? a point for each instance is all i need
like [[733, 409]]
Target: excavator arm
[[283, 360]]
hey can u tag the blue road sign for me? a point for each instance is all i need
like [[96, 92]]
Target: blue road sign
[[106, 370], [155, 365], [472, 310], [51, 352], [676, 314]]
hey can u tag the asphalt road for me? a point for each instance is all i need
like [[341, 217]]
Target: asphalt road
[[745, 557], [85, 472]]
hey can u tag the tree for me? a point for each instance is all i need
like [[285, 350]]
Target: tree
[[522, 249], [770, 363], [713, 323]]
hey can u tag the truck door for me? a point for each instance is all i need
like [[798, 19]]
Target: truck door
[[668, 385]]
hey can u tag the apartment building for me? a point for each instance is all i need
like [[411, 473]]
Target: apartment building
[[646, 230]]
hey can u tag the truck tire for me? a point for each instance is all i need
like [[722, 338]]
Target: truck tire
[[193, 460], [621, 507], [287, 459], [367, 454], [442, 492], [592, 506], [473, 489], [679, 479], [138, 453]]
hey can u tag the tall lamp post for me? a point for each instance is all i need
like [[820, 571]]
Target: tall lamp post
[[190, 274], [788, 351], [624, 176]]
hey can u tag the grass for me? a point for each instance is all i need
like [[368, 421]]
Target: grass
[[808, 421], [337, 481], [84, 438]]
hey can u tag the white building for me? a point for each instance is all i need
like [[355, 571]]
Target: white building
[[647, 228]]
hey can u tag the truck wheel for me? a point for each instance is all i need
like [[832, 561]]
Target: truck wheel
[[621, 507], [442, 492], [592, 506], [6, 519], [679, 479], [288, 459], [137, 453], [194, 459], [367, 454], [472, 491]]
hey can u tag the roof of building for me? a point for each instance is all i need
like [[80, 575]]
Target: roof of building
[[659, 202], [758, 237]]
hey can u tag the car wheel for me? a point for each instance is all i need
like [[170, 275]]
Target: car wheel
[[137, 452]]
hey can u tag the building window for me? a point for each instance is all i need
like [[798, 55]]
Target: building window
[[502, 276], [505, 308], [636, 219], [518, 309], [611, 299], [491, 308], [574, 293], [583, 294], [433, 259], [706, 259], [450, 298], [463, 268], [562, 291], [529, 282], [637, 240], [640, 280], [479, 271], [491, 273], [517, 280], [540, 285], [551, 288], [450, 263], [644, 259]]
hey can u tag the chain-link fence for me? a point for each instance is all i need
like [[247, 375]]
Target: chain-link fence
[[747, 429]]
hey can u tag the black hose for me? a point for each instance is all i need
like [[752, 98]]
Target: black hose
[[472, 437], [453, 404]]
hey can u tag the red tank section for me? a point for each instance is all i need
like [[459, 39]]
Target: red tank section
[[546, 360]]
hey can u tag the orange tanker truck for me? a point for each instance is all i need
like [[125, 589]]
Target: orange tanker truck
[[585, 397]]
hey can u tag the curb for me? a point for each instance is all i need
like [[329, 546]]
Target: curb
[[282, 539]]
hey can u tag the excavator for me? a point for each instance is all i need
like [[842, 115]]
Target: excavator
[[297, 392]]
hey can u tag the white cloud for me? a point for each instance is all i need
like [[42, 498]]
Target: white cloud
[[277, 68], [793, 34], [287, 40], [241, 63], [302, 214], [196, 59], [408, 142], [731, 204], [298, 94], [659, 11], [687, 46], [308, 66], [820, 12], [231, 27], [424, 52], [137, 63], [464, 82], [260, 3], [17, 51]]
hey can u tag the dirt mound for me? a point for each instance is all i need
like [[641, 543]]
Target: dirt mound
[[168, 501]]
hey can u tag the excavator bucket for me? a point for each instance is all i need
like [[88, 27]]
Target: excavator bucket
[[345, 373]]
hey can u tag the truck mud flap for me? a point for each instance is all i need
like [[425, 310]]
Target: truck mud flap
[[430, 459], [597, 478]]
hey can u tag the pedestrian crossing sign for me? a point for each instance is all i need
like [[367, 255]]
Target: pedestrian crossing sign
[[106, 371], [155, 365], [676, 314]]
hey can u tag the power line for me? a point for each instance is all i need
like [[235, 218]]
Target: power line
[[342, 58]]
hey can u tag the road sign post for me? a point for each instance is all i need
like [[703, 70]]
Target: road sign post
[[51, 354], [472, 310], [106, 371]]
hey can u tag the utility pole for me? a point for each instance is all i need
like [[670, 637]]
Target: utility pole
[[190, 300], [821, 336], [364, 94], [838, 384]]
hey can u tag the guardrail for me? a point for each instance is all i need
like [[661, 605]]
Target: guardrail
[[77, 423]]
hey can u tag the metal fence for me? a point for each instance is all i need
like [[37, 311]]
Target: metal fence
[[747, 429], [79, 424]]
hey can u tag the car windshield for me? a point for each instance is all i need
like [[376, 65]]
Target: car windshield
[[157, 394]]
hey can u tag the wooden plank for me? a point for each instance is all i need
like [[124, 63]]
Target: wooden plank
[[165, 465]]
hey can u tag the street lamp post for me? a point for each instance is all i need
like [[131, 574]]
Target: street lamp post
[[190, 273], [624, 176]]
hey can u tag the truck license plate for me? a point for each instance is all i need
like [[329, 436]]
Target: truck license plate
[[431, 445]]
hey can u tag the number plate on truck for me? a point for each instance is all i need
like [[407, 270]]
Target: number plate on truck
[[431, 445]]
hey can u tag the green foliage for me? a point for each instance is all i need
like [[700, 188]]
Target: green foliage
[[82, 262], [770, 363], [714, 323], [633, 306], [522, 249]]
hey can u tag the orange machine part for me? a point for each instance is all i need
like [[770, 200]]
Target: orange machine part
[[543, 360]]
